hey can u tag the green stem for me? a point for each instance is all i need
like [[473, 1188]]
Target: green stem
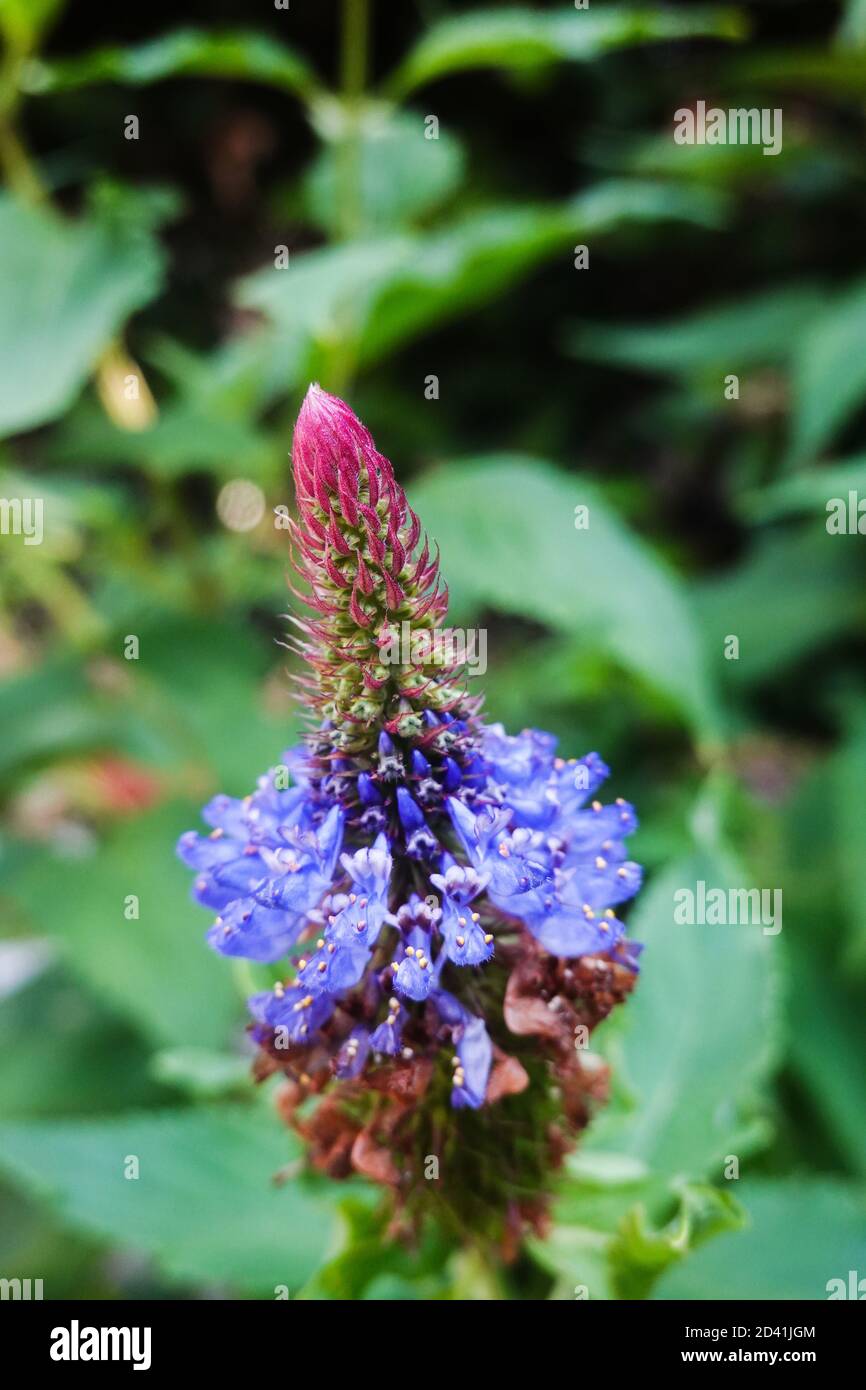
[[353, 78], [354, 49], [353, 61], [18, 169]]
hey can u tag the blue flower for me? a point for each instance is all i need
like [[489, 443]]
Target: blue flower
[[414, 973], [388, 1037], [408, 860], [471, 1064]]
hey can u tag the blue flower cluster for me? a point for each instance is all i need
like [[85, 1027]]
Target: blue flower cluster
[[478, 834]]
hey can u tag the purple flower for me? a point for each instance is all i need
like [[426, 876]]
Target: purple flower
[[417, 851]]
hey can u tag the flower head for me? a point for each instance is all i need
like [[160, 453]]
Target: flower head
[[444, 894]]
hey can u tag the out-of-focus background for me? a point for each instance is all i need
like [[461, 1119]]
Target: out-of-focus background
[[206, 207]]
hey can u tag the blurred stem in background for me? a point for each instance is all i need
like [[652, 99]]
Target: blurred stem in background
[[354, 44], [17, 166], [353, 81]]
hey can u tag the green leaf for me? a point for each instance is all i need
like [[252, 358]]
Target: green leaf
[[802, 1233], [829, 374], [367, 1262], [210, 673], [401, 174], [807, 491], [157, 970], [204, 1204], [518, 39], [369, 297], [807, 159], [827, 1042], [698, 1039], [185, 438], [601, 583], [849, 779], [852, 30], [639, 1255], [69, 288], [49, 712], [836, 72], [78, 1059], [792, 594], [237, 54], [757, 331], [202, 1073]]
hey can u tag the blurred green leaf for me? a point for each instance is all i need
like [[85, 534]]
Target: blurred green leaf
[[238, 54], [809, 161], [801, 1234], [519, 38], [49, 712], [852, 30], [204, 1204], [827, 1045], [807, 491], [401, 174], [210, 673], [601, 583], [839, 72], [69, 287], [185, 438], [364, 299], [368, 1264], [849, 780], [78, 1059], [156, 970], [699, 1036], [792, 594], [829, 374], [756, 331], [202, 1073], [639, 1255]]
